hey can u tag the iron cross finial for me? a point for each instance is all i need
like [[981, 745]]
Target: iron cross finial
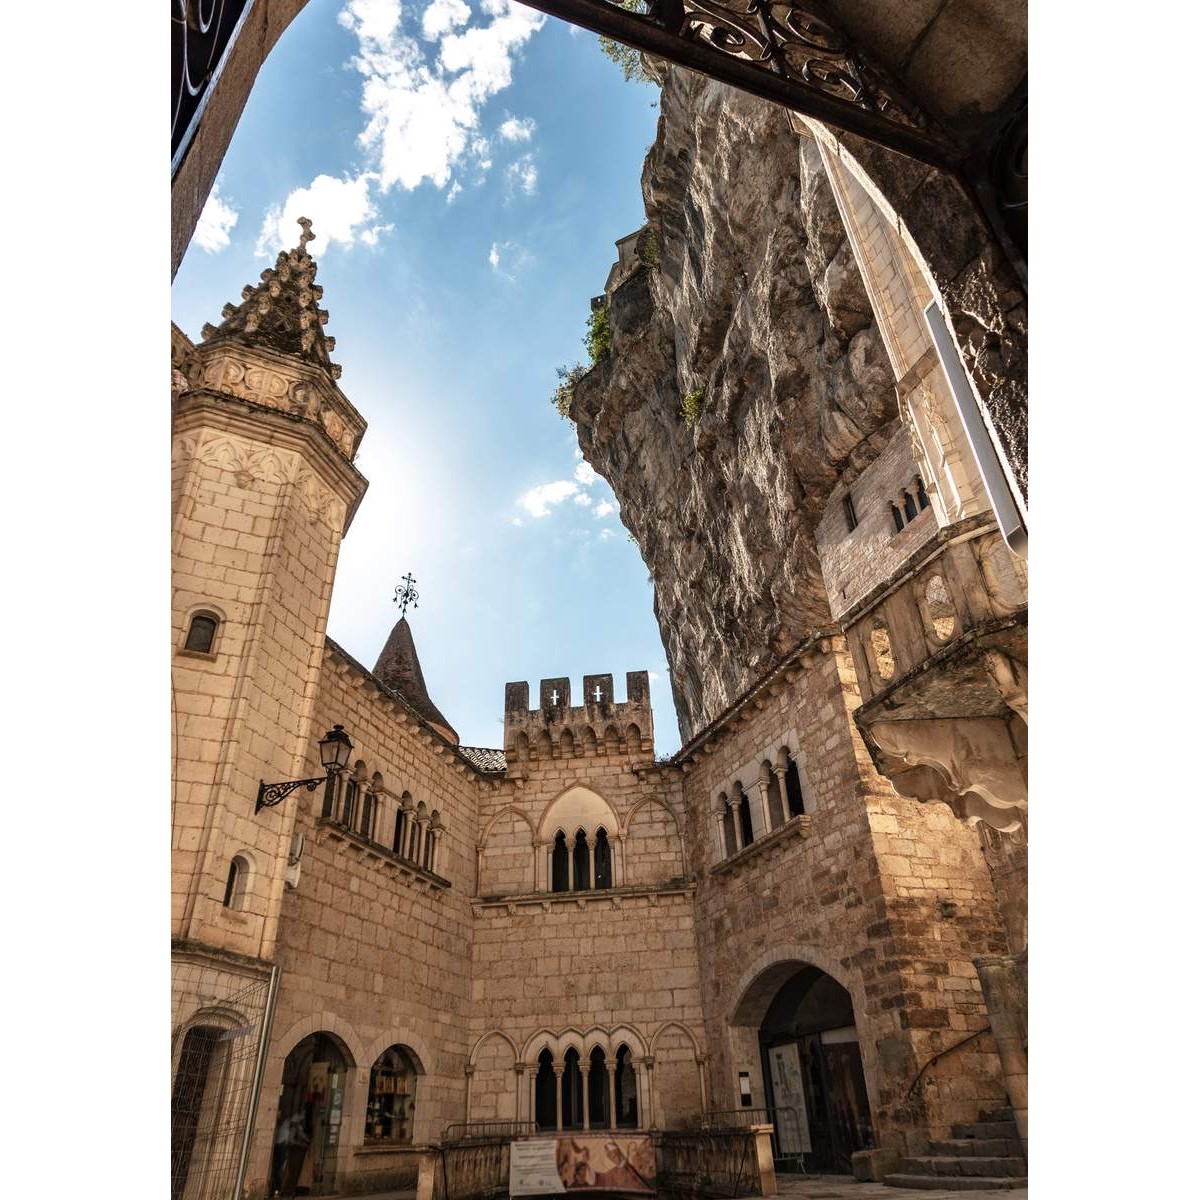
[[406, 593]]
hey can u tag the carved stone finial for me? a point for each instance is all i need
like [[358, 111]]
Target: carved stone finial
[[306, 234]]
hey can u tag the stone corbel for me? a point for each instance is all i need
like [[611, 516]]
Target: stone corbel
[[968, 763], [1012, 681]]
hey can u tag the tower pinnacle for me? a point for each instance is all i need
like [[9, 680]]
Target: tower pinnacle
[[281, 312]]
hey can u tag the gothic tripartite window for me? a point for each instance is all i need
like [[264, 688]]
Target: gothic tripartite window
[[745, 821], [791, 783], [391, 1097]]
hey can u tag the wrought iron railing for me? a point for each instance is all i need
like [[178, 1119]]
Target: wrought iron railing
[[470, 1131], [783, 1119]]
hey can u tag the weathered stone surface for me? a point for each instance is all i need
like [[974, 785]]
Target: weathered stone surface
[[758, 303]]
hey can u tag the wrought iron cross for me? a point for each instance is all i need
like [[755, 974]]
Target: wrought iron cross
[[406, 594]]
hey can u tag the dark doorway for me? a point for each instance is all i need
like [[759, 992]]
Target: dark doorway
[[309, 1123], [812, 1064]]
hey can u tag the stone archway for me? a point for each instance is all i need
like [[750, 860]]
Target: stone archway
[[796, 1050]]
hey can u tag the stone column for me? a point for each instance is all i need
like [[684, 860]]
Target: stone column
[[617, 841], [732, 805], [558, 1078], [585, 1069], [610, 1064], [435, 852], [1005, 982], [591, 859], [522, 1098], [648, 1117], [764, 798], [469, 1070], [701, 1064]]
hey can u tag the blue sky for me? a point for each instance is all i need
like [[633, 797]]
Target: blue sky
[[467, 169]]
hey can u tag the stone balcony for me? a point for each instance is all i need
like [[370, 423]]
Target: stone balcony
[[940, 650]]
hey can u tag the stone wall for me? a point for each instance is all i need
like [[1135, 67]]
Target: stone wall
[[889, 902], [372, 950]]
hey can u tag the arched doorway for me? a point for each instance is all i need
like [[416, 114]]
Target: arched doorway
[[812, 1064], [195, 1105], [309, 1124]]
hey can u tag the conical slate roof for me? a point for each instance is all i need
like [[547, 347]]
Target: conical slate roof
[[281, 312], [399, 669]]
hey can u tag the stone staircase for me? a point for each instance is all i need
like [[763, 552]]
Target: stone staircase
[[986, 1154]]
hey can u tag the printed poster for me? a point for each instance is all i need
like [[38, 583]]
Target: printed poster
[[533, 1168], [791, 1114], [607, 1162]]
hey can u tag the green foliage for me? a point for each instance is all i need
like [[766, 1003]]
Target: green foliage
[[568, 377], [649, 250], [633, 66], [599, 333], [693, 402]]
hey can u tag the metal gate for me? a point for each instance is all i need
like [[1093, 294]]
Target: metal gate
[[217, 1075]]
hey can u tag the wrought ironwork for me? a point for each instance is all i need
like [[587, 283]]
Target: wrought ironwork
[[406, 593], [271, 794], [790, 53], [202, 31]]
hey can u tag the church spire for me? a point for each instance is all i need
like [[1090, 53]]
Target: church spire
[[281, 312], [400, 669]]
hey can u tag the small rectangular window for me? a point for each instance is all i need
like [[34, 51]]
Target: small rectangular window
[[851, 516]]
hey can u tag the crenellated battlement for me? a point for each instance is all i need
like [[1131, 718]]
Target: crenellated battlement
[[600, 725]]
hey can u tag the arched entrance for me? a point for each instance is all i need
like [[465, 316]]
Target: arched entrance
[[195, 1105], [808, 1038], [811, 1064], [309, 1124]]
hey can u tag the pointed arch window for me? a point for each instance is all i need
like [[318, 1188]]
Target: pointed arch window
[[572, 1091], [545, 1093], [791, 785], [728, 829], [560, 864], [582, 862], [744, 819], [910, 507], [604, 873], [626, 1090]]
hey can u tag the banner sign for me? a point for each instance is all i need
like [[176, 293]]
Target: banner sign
[[582, 1162]]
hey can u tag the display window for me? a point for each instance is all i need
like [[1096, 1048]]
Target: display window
[[391, 1098]]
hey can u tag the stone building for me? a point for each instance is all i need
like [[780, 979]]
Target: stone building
[[564, 932], [561, 931]]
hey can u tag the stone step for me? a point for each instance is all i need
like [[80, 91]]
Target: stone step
[[998, 1114], [947, 1164], [986, 1129], [979, 1147], [955, 1183]]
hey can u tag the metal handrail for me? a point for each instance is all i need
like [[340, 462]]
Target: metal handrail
[[942, 1054], [466, 1131]]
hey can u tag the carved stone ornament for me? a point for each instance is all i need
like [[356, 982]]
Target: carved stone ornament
[[969, 764]]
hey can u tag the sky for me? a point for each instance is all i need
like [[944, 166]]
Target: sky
[[467, 168]]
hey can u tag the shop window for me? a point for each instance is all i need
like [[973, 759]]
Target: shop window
[[391, 1097], [235, 883], [202, 633], [560, 865], [851, 515], [603, 860]]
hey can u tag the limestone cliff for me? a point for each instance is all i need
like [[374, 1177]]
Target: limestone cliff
[[757, 303]]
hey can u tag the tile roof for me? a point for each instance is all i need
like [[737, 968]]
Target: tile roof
[[490, 762]]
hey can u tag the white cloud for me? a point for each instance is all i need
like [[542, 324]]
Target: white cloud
[[604, 508], [517, 129], [422, 114], [452, 194], [522, 175], [537, 501], [584, 474], [217, 218], [654, 676], [340, 209], [512, 255], [583, 500], [442, 16], [517, 521], [605, 534]]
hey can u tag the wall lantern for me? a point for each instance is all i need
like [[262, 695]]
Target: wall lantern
[[335, 754]]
